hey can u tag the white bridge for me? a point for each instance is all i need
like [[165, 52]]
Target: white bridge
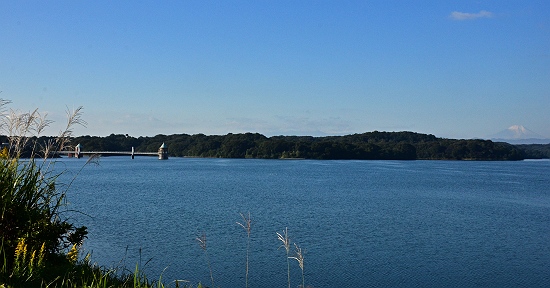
[[78, 153]]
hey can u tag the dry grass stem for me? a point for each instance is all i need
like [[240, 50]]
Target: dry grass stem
[[299, 256], [285, 239], [21, 127], [202, 243], [74, 117], [286, 244], [247, 225]]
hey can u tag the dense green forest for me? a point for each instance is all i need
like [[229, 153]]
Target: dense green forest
[[535, 151], [366, 146]]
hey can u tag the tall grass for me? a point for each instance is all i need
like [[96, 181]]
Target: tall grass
[[247, 225], [286, 244], [299, 256], [31, 202], [38, 246], [202, 244]]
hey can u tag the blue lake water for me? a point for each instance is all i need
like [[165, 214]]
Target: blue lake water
[[361, 223]]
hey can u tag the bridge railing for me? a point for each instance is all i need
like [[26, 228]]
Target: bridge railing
[[78, 153]]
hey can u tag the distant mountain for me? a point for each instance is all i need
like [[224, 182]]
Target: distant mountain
[[517, 134]]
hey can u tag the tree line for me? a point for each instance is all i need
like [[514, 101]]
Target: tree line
[[535, 151], [366, 146]]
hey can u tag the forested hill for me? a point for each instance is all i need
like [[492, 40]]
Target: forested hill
[[535, 151], [371, 145]]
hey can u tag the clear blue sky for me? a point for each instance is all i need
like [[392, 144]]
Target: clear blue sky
[[457, 69]]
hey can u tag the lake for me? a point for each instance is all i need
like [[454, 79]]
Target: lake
[[360, 223]]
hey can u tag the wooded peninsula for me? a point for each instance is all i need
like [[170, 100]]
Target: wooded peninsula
[[366, 146]]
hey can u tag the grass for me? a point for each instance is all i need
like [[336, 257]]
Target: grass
[[202, 244], [247, 225], [286, 244], [66, 270], [299, 256], [41, 248]]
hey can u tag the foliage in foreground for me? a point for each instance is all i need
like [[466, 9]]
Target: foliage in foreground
[[39, 247], [37, 243]]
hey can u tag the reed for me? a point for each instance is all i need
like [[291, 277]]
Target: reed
[[299, 256], [33, 232], [286, 244], [247, 225], [202, 244]]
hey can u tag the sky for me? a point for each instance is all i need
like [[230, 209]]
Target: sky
[[454, 69]]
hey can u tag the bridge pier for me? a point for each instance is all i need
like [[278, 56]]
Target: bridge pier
[[163, 152], [77, 151]]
